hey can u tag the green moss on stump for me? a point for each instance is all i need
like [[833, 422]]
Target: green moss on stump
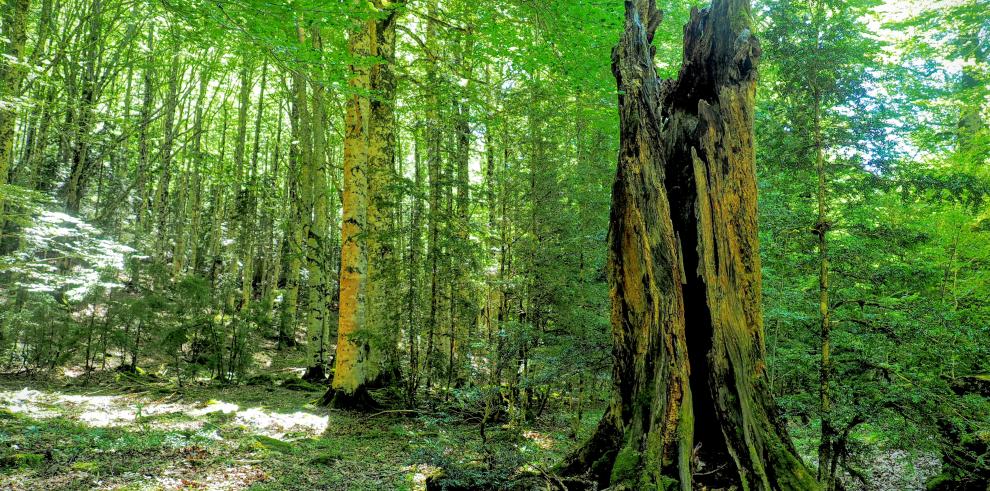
[[626, 465]]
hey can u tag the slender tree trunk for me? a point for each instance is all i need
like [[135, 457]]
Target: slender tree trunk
[[412, 263], [825, 448], [161, 204], [242, 190], [434, 170], [79, 171], [273, 242], [302, 200], [690, 407], [197, 181], [144, 152], [317, 244], [42, 170], [461, 294], [14, 17], [219, 206]]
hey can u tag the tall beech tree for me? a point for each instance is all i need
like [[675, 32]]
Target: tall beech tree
[[690, 400], [368, 157]]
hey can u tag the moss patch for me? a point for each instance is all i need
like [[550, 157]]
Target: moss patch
[[91, 467], [273, 444], [626, 465], [21, 460]]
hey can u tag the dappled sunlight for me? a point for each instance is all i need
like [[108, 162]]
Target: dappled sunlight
[[26, 402], [277, 425], [541, 440], [215, 407], [227, 478], [420, 473], [92, 410], [57, 236], [123, 410]]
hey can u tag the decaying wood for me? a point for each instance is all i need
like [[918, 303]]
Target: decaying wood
[[691, 408]]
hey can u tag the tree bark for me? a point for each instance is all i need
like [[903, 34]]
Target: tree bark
[[317, 244], [301, 198], [413, 266], [690, 405], [79, 170], [826, 454], [14, 16], [242, 190], [434, 132], [363, 339], [193, 208], [161, 204], [350, 362], [382, 323]]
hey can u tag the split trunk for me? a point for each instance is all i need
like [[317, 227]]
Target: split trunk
[[691, 407]]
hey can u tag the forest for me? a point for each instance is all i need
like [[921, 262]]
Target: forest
[[509, 245]]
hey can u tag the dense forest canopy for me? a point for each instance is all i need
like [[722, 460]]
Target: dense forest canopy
[[402, 227]]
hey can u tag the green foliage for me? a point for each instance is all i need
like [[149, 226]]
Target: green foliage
[[904, 208], [175, 262]]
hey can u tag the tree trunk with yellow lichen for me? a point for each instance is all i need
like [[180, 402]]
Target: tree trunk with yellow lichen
[[690, 408], [362, 336]]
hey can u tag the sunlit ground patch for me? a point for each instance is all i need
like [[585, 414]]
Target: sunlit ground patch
[[247, 438], [420, 473], [277, 425], [28, 402], [228, 478], [112, 411], [541, 440], [93, 410], [214, 407]]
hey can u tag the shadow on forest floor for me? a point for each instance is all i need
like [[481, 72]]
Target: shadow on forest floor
[[225, 438]]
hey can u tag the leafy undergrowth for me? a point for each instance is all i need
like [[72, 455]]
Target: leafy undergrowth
[[875, 463], [155, 436]]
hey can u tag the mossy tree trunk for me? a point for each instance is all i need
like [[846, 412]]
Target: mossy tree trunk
[[363, 336], [382, 321], [14, 14], [242, 189], [691, 407], [81, 167], [434, 148], [161, 201], [192, 209]]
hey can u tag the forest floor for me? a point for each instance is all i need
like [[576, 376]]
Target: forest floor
[[113, 434]]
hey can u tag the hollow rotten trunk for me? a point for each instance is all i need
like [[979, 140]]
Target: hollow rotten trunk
[[691, 408]]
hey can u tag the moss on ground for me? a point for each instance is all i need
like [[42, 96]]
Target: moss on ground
[[188, 441]]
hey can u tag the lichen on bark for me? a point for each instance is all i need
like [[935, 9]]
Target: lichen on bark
[[690, 406]]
